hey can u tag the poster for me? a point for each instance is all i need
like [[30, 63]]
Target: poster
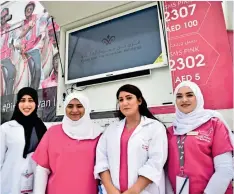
[[29, 56], [199, 49]]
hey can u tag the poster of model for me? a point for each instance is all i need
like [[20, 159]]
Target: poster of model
[[29, 56]]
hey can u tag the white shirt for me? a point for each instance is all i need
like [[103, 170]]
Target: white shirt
[[12, 163], [149, 133]]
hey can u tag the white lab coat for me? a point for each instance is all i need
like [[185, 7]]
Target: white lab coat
[[149, 133], [12, 163]]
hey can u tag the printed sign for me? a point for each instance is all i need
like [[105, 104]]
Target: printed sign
[[199, 50]]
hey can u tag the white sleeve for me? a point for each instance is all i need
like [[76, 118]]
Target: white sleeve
[[157, 156], [3, 147], [41, 24], [222, 177], [16, 39], [102, 163], [41, 178], [10, 40]]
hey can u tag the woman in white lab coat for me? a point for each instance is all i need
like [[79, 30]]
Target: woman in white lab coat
[[131, 153], [19, 139]]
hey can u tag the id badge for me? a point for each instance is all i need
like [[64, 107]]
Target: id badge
[[26, 183], [182, 185]]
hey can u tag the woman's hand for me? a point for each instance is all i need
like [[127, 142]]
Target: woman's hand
[[131, 191], [112, 190]]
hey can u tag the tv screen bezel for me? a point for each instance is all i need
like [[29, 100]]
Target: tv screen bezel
[[119, 72]]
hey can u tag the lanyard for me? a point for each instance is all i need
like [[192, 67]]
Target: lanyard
[[180, 145]]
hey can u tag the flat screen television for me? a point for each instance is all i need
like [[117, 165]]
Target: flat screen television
[[126, 43]]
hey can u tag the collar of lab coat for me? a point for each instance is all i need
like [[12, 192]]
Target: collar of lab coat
[[144, 121], [13, 123]]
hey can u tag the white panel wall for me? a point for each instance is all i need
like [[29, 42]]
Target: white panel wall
[[66, 12], [228, 10]]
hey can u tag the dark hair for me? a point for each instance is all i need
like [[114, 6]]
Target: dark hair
[[144, 111]]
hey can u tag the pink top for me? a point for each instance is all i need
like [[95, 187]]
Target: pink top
[[51, 81], [211, 140], [5, 49], [71, 162], [123, 174]]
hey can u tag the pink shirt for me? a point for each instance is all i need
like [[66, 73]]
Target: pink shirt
[[199, 150], [70, 161], [123, 174], [50, 82]]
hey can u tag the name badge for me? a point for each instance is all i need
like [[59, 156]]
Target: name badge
[[192, 133], [182, 185]]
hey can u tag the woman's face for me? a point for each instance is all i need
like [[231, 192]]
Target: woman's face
[[27, 105], [4, 19], [75, 110], [56, 63], [186, 100], [128, 104], [29, 10]]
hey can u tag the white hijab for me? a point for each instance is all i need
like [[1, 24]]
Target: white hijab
[[185, 123], [84, 128]]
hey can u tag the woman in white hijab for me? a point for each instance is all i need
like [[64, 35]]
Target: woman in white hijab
[[200, 146], [66, 154]]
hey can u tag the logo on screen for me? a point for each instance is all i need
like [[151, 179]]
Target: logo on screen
[[108, 40]]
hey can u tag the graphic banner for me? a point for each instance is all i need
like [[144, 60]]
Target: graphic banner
[[29, 56]]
